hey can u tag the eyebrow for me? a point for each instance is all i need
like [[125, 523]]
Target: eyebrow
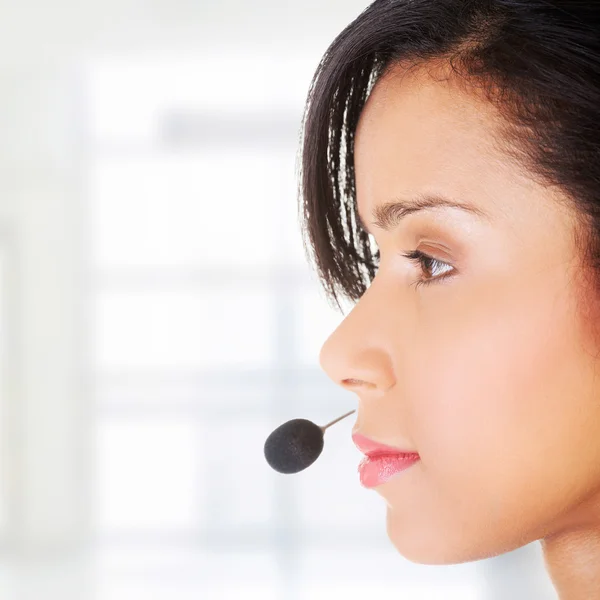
[[388, 215]]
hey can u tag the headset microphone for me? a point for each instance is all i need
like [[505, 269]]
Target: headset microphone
[[296, 444]]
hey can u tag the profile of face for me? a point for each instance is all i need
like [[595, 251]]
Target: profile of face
[[479, 357]]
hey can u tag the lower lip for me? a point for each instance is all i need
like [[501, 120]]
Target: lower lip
[[375, 470]]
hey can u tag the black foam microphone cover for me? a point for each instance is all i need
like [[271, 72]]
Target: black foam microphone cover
[[294, 446]]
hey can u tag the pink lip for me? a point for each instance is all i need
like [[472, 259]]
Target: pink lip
[[381, 462], [372, 448]]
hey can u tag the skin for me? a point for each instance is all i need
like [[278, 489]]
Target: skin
[[491, 374]]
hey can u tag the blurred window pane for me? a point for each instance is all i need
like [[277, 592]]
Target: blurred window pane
[[316, 320], [145, 389], [144, 572], [148, 474], [238, 477], [201, 208], [200, 327], [128, 99]]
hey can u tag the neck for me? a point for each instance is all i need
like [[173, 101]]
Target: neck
[[572, 559]]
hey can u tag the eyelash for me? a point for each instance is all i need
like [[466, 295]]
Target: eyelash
[[420, 258]]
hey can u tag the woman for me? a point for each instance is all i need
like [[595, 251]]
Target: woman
[[451, 189]]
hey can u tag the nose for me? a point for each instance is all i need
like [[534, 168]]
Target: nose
[[356, 355]]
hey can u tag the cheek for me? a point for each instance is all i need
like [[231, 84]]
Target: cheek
[[503, 411]]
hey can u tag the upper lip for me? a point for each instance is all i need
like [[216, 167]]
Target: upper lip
[[370, 447]]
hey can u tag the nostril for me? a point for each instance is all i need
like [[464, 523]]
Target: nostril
[[356, 382]]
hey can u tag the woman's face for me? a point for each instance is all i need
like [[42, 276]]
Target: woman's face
[[489, 374]]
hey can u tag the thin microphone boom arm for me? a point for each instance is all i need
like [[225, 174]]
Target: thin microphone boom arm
[[338, 419]]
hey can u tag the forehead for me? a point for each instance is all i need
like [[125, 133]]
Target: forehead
[[419, 133]]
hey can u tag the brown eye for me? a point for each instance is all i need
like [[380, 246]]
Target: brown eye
[[429, 264]]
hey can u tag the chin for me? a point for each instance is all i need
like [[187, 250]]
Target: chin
[[428, 548]]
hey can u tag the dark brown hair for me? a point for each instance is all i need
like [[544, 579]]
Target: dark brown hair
[[538, 61]]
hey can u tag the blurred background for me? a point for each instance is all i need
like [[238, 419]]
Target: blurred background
[[158, 318]]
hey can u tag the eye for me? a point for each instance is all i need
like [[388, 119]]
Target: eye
[[429, 264]]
